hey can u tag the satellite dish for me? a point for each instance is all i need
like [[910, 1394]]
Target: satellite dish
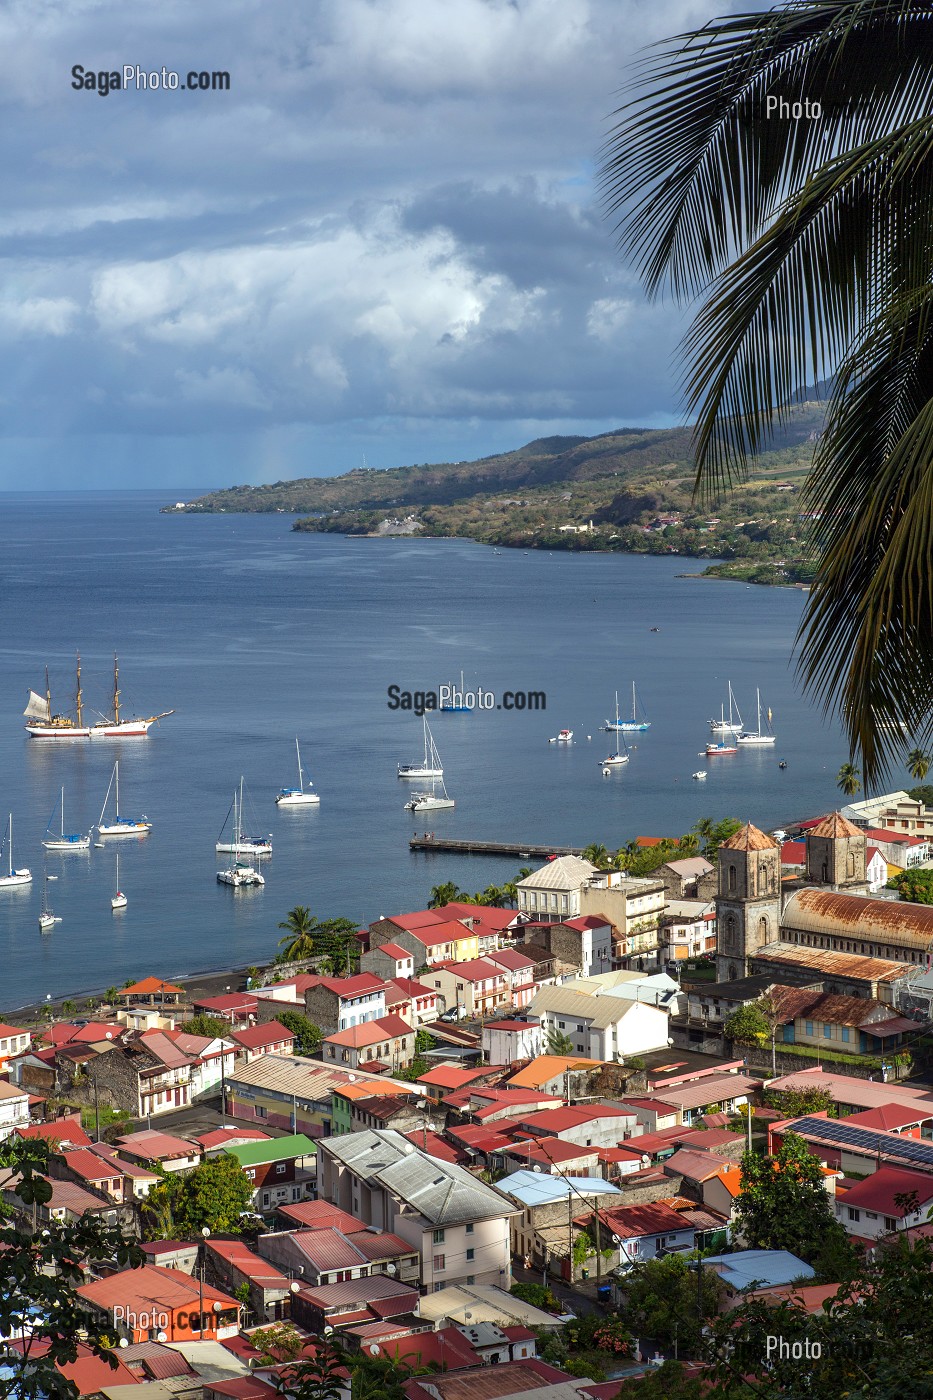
[[373, 1349]]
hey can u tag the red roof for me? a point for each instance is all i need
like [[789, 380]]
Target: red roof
[[451, 1076], [150, 985], [485, 915], [393, 950], [269, 1033], [512, 959], [63, 1033], [508, 1025], [219, 1137], [230, 1001], [558, 1120], [794, 853], [244, 1388], [586, 921], [88, 1372], [476, 970], [67, 1131], [93, 1168], [550, 1151], [261, 1271], [631, 1222], [6, 1030], [877, 1192], [438, 1147], [150, 1286], [150, 1144], [355, 986], [320, 1215], [371, 1032], [889, 1117]]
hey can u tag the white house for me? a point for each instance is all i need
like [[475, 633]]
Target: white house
[[507, 1041], [14, 1109], [552, 894], [891, 1199], [599, 1026], [876, 869]]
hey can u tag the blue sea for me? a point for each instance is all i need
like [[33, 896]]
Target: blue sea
[[255, 635]]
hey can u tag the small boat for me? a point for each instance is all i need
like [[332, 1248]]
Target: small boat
[[757, 737], [60, 841], [430, 765], [700, 775], [430, 801], [46, 725], [782, 764], [732, 725], [120, 826], [117, 728], [565, 736], [119, 899], [633, 724], [722, 745], [241, 845], [239, 875], [299, 796], [654, 629], [459, 708], [619, 756], [47, 919], [13, 877]]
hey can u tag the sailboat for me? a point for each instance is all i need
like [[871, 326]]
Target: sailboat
[[242, 845], [734, 723], [240, 873], [117, 728], [13, 877], [60, 842], [120, 826], [430, 766], [460, 709], [630, 725], [616, 759], [47, 919], [723, 744], [45, 724], [119, 899], [429, 801], [299, 796], [757, 736]]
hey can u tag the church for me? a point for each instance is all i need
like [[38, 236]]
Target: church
[[828, 909]]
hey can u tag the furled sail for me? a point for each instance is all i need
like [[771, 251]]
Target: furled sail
[[37, 708]]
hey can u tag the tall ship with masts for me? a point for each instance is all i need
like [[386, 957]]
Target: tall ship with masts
[[117, 728], [45, 724]]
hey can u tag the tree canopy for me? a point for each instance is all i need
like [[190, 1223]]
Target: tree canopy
[[215, 1193], [783, 1203]]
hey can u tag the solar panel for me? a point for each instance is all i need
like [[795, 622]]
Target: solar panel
[[872, 1143]]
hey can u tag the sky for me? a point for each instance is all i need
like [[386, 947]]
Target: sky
[[383, 243]]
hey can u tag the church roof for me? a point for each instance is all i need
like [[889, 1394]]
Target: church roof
[[857, 917], [834, 824], [749, 838]]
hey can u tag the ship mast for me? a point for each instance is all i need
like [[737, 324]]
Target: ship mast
[[48, 694], [78, 689], [116, 691]]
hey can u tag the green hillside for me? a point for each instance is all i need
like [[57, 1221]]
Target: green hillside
[[628, 490]]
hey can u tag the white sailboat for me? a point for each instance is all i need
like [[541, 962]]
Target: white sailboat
[[47, 919], [725, 743], [430, 766], [241, 845], [734, 723], [753, 737], [619, 756], [13, 877], [117, 728], [240, 874], [119, 900], [634, 724], [120, 826], [62, 842], [299, 796], [429, 801]]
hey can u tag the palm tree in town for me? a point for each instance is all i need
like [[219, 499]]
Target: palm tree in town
[[849, 779], [302, 928], [918, 764], [444, 894], [597, 855], [558, 1043], [778, 164]]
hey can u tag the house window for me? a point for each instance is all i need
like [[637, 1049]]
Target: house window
[[890, 1223], [560, 1025], [439, 1264], [854, 1215], [808, 1025], [438, 1287], [438, 1236], [469, 1229], [280, 1169], [845, 1034], [471, 1278], [827, 1031], [265, 1198], [471, 1255]]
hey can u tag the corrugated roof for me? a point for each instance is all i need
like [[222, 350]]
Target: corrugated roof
[[544, 1068], [749, 838], [320, 1215], [879, 1190], [600, 1011], [536, 1189], [268, 1033], [375, 1289], [857, 917], [713, 1088], [829, 963], [329, 1249], [564, 873], [253, 1154], [261, 1271], [151, 984], [151, 1286]]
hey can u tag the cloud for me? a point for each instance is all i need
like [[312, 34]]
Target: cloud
[[389, 220]]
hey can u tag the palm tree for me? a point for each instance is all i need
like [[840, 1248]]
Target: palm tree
[[918, 764], [111, 995], [558, 1043], [848, 779], [811, 244], [302, 927], [597, 855], [448, 893]]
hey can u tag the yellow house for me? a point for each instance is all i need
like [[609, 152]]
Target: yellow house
[[428, 941]]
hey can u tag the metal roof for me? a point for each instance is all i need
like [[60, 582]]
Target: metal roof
[[837, 1133], [857, 917], [564, 873], [600, 1011], [534, 1189]]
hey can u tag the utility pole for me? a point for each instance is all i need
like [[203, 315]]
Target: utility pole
[[599, 1257]]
